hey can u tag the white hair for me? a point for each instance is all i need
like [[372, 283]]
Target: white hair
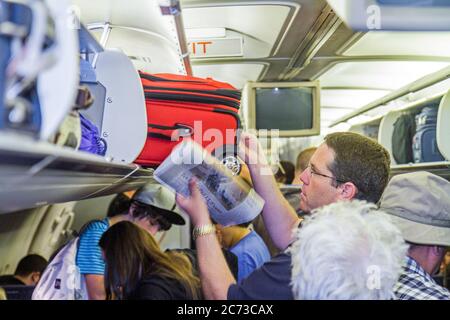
[[346, 250]]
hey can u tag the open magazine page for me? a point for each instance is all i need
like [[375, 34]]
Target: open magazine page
[[229, 198]]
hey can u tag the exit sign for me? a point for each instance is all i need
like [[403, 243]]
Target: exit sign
[[216, 47]]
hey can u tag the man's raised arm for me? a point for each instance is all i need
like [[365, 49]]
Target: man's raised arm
[[279, 217], [215, 274]]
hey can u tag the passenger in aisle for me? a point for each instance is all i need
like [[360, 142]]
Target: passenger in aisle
[[418, 203], [28, 271], [246, 244], [346, 166], [346, 251]]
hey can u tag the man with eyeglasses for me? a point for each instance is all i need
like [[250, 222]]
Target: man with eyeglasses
[[345, 166]]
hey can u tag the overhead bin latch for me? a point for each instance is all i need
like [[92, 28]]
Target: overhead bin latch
[[170, 7]]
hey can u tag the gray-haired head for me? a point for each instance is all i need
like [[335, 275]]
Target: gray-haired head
[[346, 251]]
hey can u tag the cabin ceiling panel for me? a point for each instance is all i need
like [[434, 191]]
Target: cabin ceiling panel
[[350, 99], [331, 114], [262, 23], [402, 43], [378, 74], [326, 54], [236, 74], [141, 14]]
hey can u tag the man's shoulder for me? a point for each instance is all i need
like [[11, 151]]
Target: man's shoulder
[[95, 226], [10, 280], [412, 286]]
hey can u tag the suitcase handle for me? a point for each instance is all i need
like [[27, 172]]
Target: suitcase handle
[[182, 131]]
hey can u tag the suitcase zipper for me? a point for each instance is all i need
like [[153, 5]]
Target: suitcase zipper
[[153, 78], [191, 98], [158, 79], [228, 93]]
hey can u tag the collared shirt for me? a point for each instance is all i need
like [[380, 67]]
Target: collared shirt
[[416, 284]]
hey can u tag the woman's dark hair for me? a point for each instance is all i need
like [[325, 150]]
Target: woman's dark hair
[[131, 253]]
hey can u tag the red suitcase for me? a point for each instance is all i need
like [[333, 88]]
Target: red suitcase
[[188, 107]]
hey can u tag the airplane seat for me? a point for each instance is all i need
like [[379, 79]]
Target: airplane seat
[[17, 231], [18, 292]]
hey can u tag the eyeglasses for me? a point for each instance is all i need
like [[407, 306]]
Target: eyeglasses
[[313, 171]]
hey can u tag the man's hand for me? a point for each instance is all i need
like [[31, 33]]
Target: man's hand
[[250, 150], [194, 205]]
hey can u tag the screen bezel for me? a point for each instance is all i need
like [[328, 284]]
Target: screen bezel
[[250, 116]]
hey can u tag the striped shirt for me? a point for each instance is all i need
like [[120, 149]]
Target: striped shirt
[[89, 255], [416, 284]]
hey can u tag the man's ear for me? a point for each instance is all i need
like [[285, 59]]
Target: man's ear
[[348, 191], [35, 276]]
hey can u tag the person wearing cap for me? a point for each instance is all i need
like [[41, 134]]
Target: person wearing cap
[[418, 204], [152, 208]]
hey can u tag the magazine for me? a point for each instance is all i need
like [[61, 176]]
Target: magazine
[[230, 199]]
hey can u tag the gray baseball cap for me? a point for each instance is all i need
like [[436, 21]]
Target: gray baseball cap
[[157, 195], [418, 204]]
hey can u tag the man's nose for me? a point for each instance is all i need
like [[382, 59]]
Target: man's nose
[[304, 176]]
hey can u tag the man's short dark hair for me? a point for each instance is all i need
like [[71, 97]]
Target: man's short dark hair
[[360, 160], [120, 204], [31, 263]]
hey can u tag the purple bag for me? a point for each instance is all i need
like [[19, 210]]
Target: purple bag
[[90, 138]]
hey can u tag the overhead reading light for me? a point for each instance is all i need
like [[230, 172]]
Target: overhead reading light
[[201, 33]]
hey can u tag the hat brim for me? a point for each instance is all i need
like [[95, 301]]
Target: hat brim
[[419, 233], [173, 217]]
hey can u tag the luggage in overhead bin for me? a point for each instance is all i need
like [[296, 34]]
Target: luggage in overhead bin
[[38, 66], [180, 107], [425, 148], [402, 137], [20, 108]]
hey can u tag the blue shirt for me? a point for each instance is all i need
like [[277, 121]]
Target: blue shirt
[[272, 281], [251, 252], [416, 284], [89, 255]]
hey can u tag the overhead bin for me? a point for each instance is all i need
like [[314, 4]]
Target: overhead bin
[[118, 110], [38, 173], [439, 143]]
